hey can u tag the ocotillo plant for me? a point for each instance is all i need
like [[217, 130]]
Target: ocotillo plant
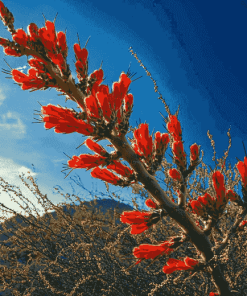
[[105, 115], [88, 245]]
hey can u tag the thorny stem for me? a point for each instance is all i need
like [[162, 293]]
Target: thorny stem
[[69, 87], [196, 235], [177, 212]]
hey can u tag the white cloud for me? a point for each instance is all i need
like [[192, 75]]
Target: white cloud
[[16, 129], [2, 97], [9, 172], [58, 160]]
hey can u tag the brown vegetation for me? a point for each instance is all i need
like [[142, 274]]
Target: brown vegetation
[[89, 252]]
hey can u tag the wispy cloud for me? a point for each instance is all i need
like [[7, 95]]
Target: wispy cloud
[[2, 97], [9, 172], [17, 128]]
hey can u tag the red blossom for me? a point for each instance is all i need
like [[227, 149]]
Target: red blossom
[[81, 61], [97, 75], [231, 195], [81, 70], [64, 121], [11, 51], [143, 140], [58, 60], [208, 200], [3, 41], [202, 204], [148, 251], [48, 36], [81, 54], [28, 81], [102, 96], [202, 200], [2, 10], [20, 37], [161, 142], [96, 147], [174, 173], [174, 128], [218, 183], [242, 168], [92, 106], [196, 207], [128, 102], [33, 32], [109, 102], [121, 169], [86, 161], [241, 225], [105, 175], [138, 228], [61, 43], [38, 64], [4, 13], [150, 203], [178, 151], [194, 152], [174, 264], [137, 219], [120, 88]]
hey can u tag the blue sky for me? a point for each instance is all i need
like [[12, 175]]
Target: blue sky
[[196, 52]]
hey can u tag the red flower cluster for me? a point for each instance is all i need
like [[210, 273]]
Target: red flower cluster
[[97, 78], [7, 17], [64, 121], [151, 251], [31, 80], [52, 45], [241, 225], [111, 110], [150, 203], [174, 264], [242, 168], [161, 141], [89, 161], [174, 128], [142, 144], [174, 174], [3, 13], [81, 61], [138, 221], [194, 153], [101, 101], [206, 204]]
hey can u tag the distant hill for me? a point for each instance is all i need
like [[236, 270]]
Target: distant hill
[[105, 204]]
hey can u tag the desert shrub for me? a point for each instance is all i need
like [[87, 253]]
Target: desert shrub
[[85, 250]]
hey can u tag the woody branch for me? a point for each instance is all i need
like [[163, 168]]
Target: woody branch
[[196, 235]]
